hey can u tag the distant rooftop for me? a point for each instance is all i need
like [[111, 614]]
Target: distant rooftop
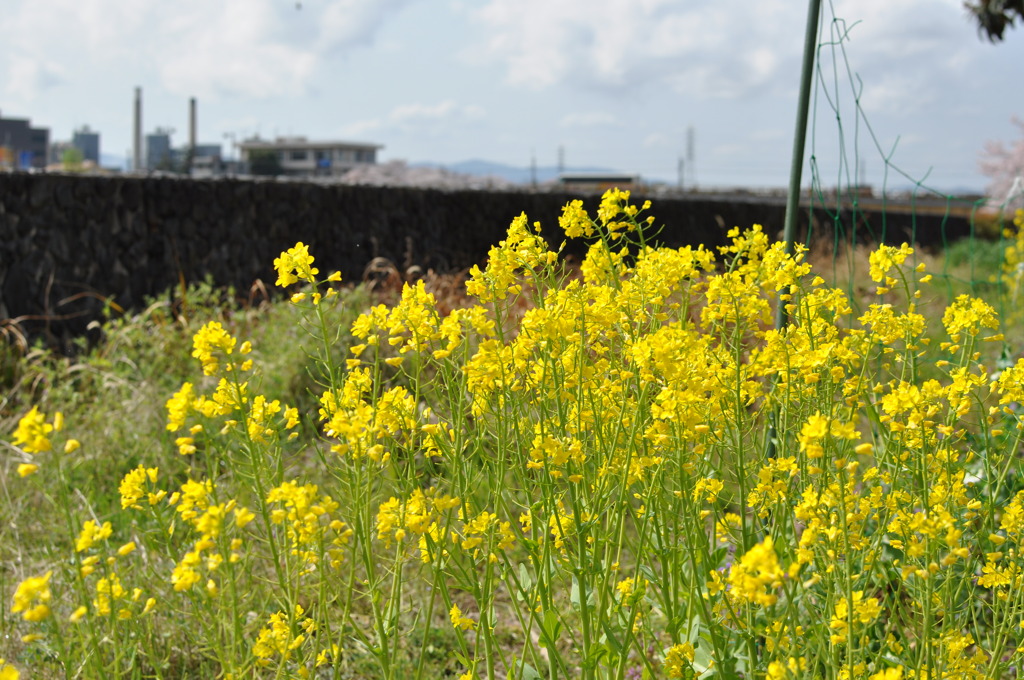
[[304, 143]]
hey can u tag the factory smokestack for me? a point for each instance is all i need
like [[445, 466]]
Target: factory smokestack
[[137, 147], [192, 125]]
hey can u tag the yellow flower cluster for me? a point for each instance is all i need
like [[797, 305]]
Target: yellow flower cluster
[[295, 264], [310, 523], [282, 636], [33, 432], [32, 598], [519, 255]]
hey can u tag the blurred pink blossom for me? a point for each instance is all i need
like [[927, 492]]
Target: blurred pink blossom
[[1004, 165]]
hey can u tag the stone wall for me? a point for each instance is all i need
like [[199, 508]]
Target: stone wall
[[67, 243]]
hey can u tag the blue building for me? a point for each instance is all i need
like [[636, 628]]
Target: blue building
[[23, 147], [88, 142], [159, 155]]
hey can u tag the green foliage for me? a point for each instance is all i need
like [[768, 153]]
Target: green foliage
[[72, 159], [265, 162], [995, 16]]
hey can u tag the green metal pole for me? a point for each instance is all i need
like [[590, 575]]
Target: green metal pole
[[799, 137], [795, 173]]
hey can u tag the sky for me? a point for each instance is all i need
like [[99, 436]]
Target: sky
[[616, 84]]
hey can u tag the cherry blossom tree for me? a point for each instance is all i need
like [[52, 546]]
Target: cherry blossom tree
[[1004, 165]]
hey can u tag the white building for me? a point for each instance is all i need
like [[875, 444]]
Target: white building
[[299, 157]]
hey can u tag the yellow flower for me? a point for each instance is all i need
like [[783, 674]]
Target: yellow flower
[[278, 637], [678, 658], [108, 591], [92, 533], [32, 597], [32, 432], [26, 469], [185, 575], [133, 486], [757, 575], [864, 611], [294, 264], [575, 220], [209, 339], [884, 259], [709, 488], [258, 420], [243, 516], [8, 672], [968, 315], [460, 621], [178, 407]]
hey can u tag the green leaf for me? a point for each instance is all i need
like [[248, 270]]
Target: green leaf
[[552, 627], [613, 640], [530, 673], [702, 660], [525, 580]]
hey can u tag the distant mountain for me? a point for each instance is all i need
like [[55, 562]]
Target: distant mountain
[[511, 173], [113, 161]]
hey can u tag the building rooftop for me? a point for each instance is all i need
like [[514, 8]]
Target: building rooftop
[[304, 143]]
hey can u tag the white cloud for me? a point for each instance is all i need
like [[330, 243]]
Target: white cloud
[[420, 119], [589, 119], [250, 48], [727, 49], [412, 114], [621, 43], [656, 140], [28, 77]]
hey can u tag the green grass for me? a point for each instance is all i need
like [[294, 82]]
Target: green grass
[[113, 394]]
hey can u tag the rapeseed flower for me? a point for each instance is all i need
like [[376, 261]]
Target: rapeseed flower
[[459, 620], [8, 672], [133, 488], [885, 259], [178, 407], [32, 433], [32, 598], [757, 575], [281, 636], [296, 264], [91, 534], [208, 342], [678, 659]]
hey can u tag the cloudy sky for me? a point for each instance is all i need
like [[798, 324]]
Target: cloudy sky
[[616, 83]]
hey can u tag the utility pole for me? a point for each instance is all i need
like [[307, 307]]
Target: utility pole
[[137, 148], [690, 151]]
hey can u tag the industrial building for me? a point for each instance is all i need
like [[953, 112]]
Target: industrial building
[[88, 142], [299, 157], [23, 147]]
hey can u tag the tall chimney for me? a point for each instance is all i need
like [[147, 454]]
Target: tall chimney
[[192, 125], [137, 148]]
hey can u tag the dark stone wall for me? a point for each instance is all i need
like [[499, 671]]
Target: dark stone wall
[[69, 242]]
